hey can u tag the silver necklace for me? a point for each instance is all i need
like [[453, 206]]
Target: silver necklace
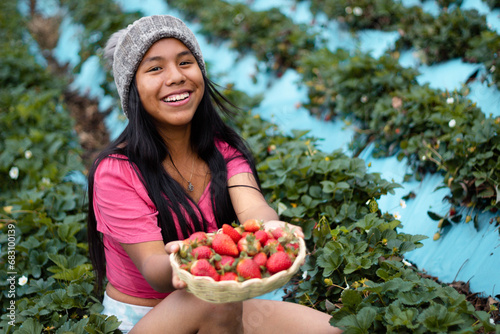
[[190, 186]]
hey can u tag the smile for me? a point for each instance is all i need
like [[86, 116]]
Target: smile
[[176, 97]]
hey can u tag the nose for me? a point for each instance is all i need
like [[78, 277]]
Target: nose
[[174, 76]]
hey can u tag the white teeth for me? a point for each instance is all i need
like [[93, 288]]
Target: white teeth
[[178, 97]]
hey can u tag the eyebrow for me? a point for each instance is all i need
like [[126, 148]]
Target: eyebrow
[[156, 58]]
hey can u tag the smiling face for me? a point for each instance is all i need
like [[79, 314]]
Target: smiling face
[[170, 84]]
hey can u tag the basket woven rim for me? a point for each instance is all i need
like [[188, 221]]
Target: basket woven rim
[[238, 290]]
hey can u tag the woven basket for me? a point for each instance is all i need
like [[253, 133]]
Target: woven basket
[[231, 291]]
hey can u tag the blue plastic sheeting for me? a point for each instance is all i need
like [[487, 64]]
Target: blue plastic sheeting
[[463, 253]]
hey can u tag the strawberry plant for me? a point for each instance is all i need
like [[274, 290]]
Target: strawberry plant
[[442, 38], [272, 37], [366, 14]]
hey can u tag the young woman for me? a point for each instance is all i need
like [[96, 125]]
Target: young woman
[[175, 169]]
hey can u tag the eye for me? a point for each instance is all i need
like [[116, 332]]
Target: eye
[[154, 69], [185, 62]]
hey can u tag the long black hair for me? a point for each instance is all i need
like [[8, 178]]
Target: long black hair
[[145, 149]]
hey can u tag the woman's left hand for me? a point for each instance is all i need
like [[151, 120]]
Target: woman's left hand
[[273, 224]]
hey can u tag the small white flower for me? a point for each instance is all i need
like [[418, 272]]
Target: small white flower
[[348, 10], [28, 154], [423, 158], [45, 180], [493, 68], [22, 280], [492, 321], [357, 11], [368, 202], [304, 275], [452, 123], [402, 203], [364, 99], [406, 263], [450, 100], [14, 173], [397, 215]]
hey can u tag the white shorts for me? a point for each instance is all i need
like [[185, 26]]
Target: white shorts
[[128, 314]]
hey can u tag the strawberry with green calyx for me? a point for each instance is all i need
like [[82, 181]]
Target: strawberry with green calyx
[[232, 232], [262, 236], [248, 269], [225, 263], [249, 245], [202, 252], [222, 244], [185, 248], [283, 234], [278, 261], [252, 225], [199, 237], [204, 268], [292, 248], [272, 246], [261, 259], [229, 276]]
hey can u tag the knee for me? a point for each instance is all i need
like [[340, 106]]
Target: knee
[[228, 315]]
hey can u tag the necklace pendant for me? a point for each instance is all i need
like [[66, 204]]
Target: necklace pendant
[[190, 186]]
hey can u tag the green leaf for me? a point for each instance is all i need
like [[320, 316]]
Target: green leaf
[[397, 317], [359, 323], [30, 326], [434, 216], [330, 262], [438, 318]]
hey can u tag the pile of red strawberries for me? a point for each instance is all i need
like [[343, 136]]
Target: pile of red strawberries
[[239, 253]]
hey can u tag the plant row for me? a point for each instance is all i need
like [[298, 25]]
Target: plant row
[[454, 33]]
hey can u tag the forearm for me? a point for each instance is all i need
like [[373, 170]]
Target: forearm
[[263, 212], [158, 272]]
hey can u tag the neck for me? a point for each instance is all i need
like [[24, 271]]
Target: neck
[[178, 142]]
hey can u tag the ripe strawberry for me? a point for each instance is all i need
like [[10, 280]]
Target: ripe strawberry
[[262, 236], [204, 268], [252, 225], [232, 232], [225, 262], [199, 237], [282, 234], [292, 247], [202, 252], [249, 244], [453, 211], [222, 244], [260, 259], [273, 246], [278, 261], [248, 269], [229, 276]]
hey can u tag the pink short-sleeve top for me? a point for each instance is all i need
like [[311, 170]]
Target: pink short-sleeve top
[[125, 214]]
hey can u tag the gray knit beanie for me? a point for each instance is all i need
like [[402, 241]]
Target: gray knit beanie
[[126, 48]]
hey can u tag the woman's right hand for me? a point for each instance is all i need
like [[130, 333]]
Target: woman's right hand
[[173, 247]]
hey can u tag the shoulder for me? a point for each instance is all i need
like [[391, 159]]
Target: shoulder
[[116, 167], [227, 151]]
